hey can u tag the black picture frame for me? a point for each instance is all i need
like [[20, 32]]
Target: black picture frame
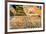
[[6, 1]]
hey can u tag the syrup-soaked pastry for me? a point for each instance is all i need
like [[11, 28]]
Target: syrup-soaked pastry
[[18, 22], [34, 21]]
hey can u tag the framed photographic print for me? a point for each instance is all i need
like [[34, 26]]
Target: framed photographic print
[[23, 16]]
